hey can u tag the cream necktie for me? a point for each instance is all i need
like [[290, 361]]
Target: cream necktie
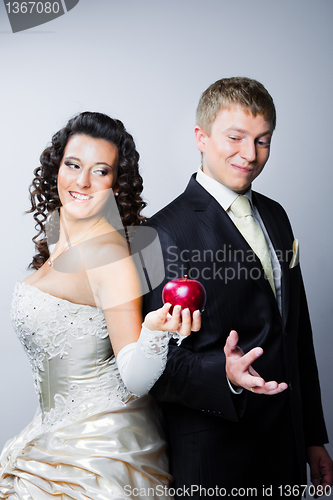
[[253, 234]]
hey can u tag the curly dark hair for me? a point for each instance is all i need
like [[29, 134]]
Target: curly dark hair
[[43, 190]]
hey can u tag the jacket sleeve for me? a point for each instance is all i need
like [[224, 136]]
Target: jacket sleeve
[[194, 379], [313, 418]]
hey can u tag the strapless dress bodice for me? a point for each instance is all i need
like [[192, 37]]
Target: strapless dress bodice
[[70, 353], [90, 438]]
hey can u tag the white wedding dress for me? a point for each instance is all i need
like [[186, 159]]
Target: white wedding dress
[[90, 439]]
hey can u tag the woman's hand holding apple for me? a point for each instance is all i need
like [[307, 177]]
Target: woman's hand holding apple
[[162, 320]]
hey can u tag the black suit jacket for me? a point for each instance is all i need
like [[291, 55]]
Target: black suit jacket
[[217, 438]]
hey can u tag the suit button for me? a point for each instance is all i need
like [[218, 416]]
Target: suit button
[[290, 386]]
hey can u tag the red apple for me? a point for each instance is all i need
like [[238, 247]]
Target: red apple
[[185, 293]]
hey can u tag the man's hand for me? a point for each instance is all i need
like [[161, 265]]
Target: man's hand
[[240, 372], [321, 468]]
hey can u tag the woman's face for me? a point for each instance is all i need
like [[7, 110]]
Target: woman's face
[[86, 176]]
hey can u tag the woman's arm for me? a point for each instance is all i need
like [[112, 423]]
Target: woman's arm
[[141, 357]]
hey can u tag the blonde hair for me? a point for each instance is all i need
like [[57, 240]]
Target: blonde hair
[[248, 93]]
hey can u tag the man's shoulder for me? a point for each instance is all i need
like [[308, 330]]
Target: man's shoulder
[[172, 217], [181, 207], [265, 204], [262, 200], [169, 210]]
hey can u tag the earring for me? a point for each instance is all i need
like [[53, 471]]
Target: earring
[[116, 194]]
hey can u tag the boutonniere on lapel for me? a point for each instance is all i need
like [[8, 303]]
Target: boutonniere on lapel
[[295, 258]]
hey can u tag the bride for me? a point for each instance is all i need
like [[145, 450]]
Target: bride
[[96, 434]]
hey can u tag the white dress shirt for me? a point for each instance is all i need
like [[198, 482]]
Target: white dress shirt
[[225, 197]]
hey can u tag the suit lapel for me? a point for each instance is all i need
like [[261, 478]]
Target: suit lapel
[[216, 218], [280, 242]]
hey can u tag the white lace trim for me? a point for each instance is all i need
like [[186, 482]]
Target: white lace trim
[[82, 403], [156, 344]]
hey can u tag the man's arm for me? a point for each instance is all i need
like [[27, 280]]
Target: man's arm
[[315, 434], [320, 463], [314, 425]]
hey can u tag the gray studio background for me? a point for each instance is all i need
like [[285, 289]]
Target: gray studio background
[[147, 62]]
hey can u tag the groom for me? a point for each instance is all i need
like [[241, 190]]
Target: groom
[[241, 397]]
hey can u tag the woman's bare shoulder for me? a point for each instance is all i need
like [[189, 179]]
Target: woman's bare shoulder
[[104, 249]]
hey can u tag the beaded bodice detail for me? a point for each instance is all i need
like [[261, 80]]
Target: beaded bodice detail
[[70, 353]]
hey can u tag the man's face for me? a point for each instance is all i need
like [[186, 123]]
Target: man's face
[[237, 148]]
